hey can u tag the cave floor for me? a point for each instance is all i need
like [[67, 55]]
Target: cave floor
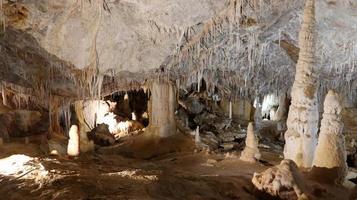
[[181, 174]]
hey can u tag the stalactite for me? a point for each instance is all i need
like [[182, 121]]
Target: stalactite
[[301, 136]]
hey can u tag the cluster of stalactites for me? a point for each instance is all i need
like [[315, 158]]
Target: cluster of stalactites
[[229, 46]]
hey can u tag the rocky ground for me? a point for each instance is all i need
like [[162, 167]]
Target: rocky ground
[[138, 169]]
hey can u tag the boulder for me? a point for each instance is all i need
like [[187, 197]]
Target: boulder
[[101, 135], [283, 181]]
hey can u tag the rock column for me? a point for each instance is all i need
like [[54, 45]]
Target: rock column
[[162, 108]]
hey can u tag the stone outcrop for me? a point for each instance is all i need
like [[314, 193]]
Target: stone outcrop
[[251, 152], [283, 181], [330, 155], [20, 123], [302, 122]]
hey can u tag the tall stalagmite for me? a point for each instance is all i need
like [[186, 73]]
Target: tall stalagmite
[[330, 156], [251, 152], [302, 122], [162, 108]]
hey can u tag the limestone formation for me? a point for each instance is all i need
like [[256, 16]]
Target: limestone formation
[[330, 156], [281, 113], [73, 148], [283, 181], [90, 113], [257, 113], [85, 144], [162, 108], [251, 152], [302, 122]]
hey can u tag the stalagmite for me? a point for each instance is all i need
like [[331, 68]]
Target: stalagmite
[[330, 156], [301, 136], [162, 108], [73, 142], [251, 152], [197, 135], [230, 110]]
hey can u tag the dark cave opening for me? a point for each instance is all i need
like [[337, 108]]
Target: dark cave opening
[[130, 105]]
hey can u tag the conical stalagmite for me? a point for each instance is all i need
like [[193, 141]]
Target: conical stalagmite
[[302, 122], [251, 152], [162, 108], [330, 156]]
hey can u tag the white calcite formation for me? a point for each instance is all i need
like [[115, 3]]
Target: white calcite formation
[[283, 181], [251, 152], [162, 108], [281, 112], [330, 153], [73, 148], [302, 122]]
